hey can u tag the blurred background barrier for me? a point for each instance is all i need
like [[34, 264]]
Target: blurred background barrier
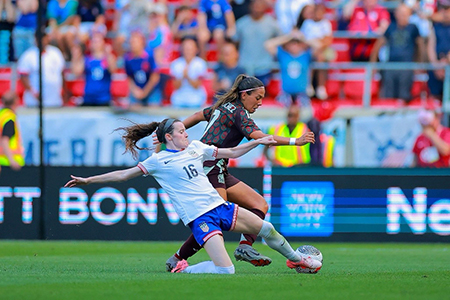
[[306, 204]]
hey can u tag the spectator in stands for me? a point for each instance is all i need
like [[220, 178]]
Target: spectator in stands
[[370, 20], [143, 75], [216, 20], [318, 31], [52, 67], [61, 15], [252, 31], [294, 56], [401, 37], [11, 148], [188, 72], [288, 11], [7, 20], [97, 68], [307, 13], [432, 146], [159, 34], [23, 32], [89, 18], [228, 69], [185, 23], [130, 15], [439, 47], [421, 13], [240, 8], [288, 156]]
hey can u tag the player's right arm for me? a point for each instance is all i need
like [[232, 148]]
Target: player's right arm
[[303, 140], [115, 176]]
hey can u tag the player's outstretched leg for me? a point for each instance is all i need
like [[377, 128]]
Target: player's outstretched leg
[[248, 222], [245, 196]]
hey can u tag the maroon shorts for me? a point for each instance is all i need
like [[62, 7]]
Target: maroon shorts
[[219, 177]]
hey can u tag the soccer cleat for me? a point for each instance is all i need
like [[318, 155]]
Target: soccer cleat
[[180, 267], [249, 254], [306, 262], [171, 263]]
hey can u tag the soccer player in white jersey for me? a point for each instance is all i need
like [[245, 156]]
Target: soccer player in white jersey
[[179, 170]]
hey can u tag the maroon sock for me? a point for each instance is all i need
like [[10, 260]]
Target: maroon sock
[[251, 238], [189, 248]]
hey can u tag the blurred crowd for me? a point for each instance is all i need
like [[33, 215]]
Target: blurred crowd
[[181, 52]]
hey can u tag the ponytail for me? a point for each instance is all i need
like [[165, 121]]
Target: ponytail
[[136, 132], [242, 83]]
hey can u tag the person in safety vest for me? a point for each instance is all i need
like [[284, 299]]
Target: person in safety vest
[[11, 149], [289, 156]]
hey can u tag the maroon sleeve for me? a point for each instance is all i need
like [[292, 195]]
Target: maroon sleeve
[[207, 112], [244, 123]]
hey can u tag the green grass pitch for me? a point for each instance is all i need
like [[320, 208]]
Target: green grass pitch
[[135, 270]]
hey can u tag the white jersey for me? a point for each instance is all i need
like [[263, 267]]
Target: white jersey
[[181, 175], [52, 67]]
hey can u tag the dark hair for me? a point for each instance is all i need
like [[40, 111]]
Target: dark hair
[[301, 18], [136, 132], [241, 83]]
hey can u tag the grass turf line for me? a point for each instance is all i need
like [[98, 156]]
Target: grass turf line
[[136, 270]]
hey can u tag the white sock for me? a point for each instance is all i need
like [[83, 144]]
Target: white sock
[[277, 242], [203, 267], [225, 270], [209, 267]]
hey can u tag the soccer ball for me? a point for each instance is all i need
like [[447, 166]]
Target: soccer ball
[[310, 251]]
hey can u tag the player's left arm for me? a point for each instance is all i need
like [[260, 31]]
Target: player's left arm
[[244, 148], [306, 138], [115, 176], [194, 119]]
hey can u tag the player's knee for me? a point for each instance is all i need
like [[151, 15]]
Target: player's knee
[[266, 230], [225, 270], [264, 207]]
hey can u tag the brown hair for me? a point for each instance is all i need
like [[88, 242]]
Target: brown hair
[[241, 83], [9, 98], [136, 132]]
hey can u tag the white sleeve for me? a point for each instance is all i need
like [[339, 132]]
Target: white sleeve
[[24, 65], [199, 69], [208, 152], [326, 28], [149, 166], [176, 69]]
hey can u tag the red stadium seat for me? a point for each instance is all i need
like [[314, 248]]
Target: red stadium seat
[[273, 88], [119, 85], [5, 80], [354, 85], [341, 47]]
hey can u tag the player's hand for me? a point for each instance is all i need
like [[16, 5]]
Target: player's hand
[[428, 131], [267, 140], [155, 139], [305, 139], [76, 181]]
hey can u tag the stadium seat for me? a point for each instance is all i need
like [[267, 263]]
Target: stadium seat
[[354, 84], [119, 85], [341, 47], [273, 88], [5, 80]]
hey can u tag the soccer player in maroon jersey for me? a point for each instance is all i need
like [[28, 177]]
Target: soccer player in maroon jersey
[[228, 123]]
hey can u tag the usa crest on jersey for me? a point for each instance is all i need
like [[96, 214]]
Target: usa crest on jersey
[[193, 153], [204, 227]]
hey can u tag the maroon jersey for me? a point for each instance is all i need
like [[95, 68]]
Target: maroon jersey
[[227, 125]]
